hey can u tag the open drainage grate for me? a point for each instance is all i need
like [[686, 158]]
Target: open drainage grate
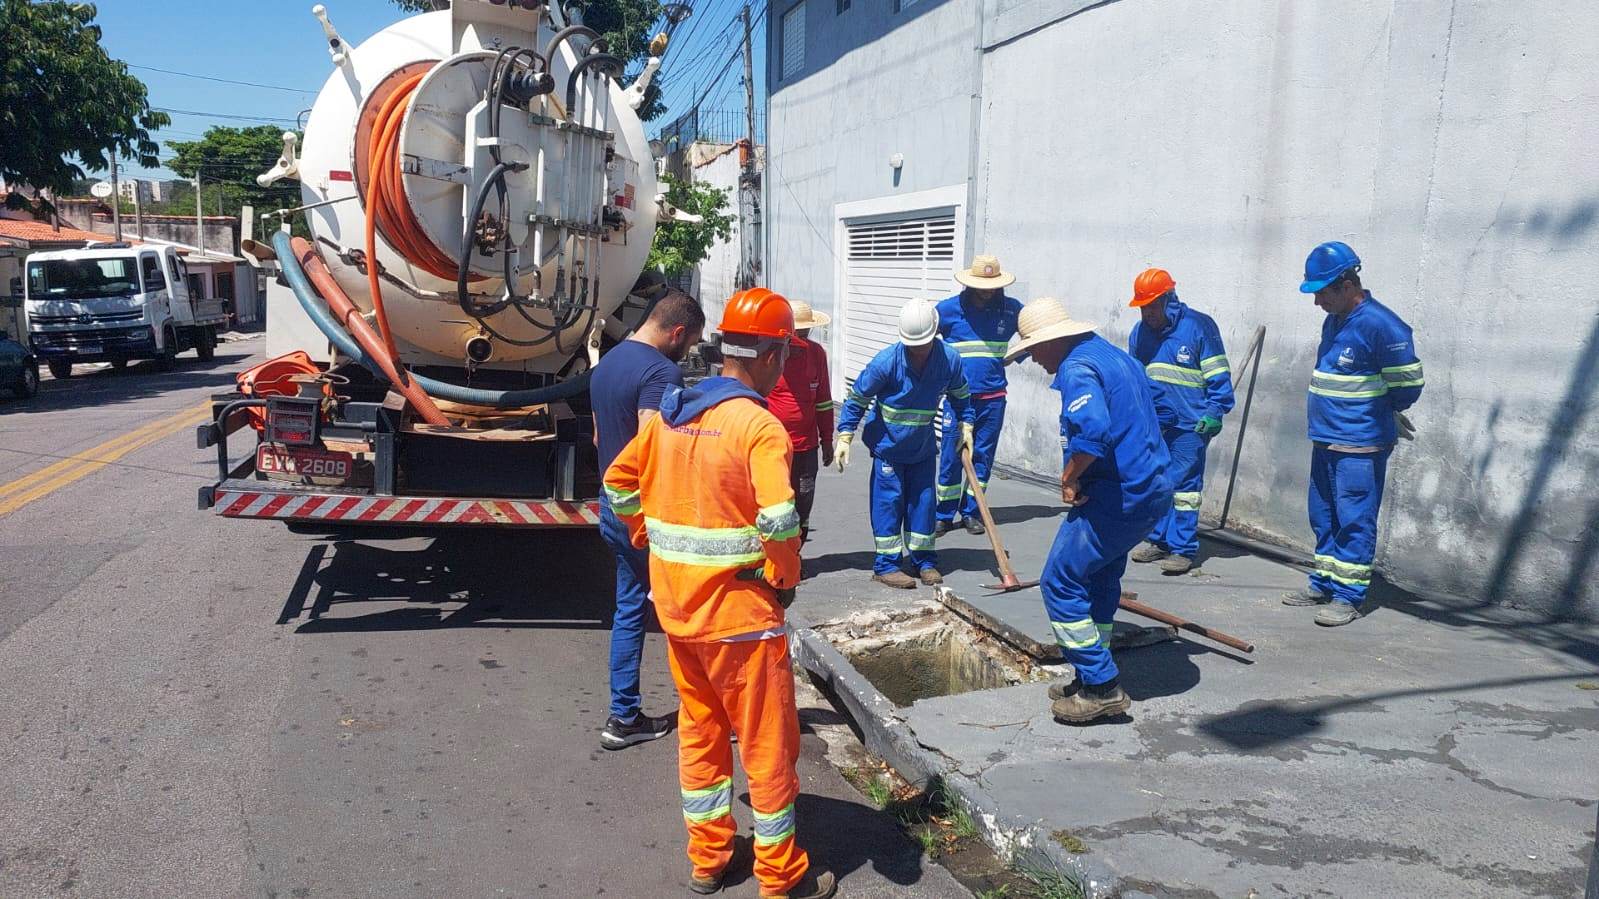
[[925, 651]]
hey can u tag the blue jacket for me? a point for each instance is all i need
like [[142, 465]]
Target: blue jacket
[[902, 404], [1366, 370], [981, 336], [1108, 411], [1186, 364]]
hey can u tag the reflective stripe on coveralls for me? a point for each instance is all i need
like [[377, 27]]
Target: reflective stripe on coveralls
[[623, 502], [710, 803], [778, 522], [1175, 374], [1403, 376], [708, 547], [1186, 502], [981, 349], [1350, 386], [775, 827]]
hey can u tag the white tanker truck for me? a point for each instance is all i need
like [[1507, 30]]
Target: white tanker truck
[[481, 200]]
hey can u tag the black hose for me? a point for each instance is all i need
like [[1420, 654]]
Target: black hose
[[613, 63], [569, 32], [462, 297]]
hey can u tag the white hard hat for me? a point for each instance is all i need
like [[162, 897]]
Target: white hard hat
[[918, 323]]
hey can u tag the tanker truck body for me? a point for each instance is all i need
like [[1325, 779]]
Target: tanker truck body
[[481, 200]]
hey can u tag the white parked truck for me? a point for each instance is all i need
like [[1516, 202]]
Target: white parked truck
[[113, 302], [481, 199]]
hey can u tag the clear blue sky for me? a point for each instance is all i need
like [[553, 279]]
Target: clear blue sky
[[279, 43]]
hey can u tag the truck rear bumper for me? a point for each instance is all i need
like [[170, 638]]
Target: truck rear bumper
[[241, 498]]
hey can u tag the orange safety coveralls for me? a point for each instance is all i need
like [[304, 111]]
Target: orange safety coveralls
[[705, 485]]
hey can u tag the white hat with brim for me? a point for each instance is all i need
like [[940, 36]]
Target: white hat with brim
[[985, 274], [1043, 320], [806, 318]]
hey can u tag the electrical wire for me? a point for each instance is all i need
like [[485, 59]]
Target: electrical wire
[[224, 115], [270, 87]]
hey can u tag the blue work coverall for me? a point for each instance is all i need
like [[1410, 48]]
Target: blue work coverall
[[898, 405], [1187, 368], [1366, 371], [1107, 411], [981, 335]]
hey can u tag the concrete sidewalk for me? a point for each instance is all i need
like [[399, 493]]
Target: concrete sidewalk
[[1427, 749]]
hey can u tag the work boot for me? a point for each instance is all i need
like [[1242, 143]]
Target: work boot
[[1148, 552], [931, 577], [1175, 564], [1064, 689], [619, 735], [1090, 703], [1306, 597], [705, 886], [818, 883], [1337, 614], [974, 526], [942, 527], [897, 579]]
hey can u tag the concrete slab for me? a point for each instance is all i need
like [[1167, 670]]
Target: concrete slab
[[1430, 748]]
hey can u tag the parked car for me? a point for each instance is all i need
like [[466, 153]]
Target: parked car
[[19, 370]]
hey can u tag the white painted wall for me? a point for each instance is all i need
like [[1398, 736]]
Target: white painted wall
[[716, 274]]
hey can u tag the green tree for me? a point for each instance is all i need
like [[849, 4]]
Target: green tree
[[228, 160], [679, 246], [64, 104]]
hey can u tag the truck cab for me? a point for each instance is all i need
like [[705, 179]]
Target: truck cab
[[113, 303]]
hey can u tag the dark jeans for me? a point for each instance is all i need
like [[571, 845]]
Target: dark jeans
[[632, 609], [802, 477]]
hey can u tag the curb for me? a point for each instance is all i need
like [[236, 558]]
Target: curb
[[887, 736]]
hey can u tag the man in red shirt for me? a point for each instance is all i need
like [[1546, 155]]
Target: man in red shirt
[[803, 402]]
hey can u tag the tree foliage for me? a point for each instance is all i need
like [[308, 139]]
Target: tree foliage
[[228, 159], [679, 246], [66, 106]]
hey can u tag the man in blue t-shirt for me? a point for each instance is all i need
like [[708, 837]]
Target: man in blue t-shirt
[[625, 392]]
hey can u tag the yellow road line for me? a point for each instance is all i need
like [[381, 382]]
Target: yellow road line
[[53, 477]]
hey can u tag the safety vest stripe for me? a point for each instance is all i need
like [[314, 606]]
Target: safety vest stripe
[[622, 502], [1214, 365], [1347, 386], [1403, 375], [919, 542], [775, 827], [890, 546], [1186, 501], [706, 547], [713, 802], [1174, 374], [779, 522], [982, 349], [1076, 634]]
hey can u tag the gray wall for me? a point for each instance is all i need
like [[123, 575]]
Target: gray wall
[[1454, 144]]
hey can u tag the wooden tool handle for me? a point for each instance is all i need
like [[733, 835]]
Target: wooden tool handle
[[1005, 573], [1138, 608]]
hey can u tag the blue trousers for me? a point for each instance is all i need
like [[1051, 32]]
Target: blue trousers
[[627, 625], [1082, 583], [1345, 493], [1178, 529], [985, 440], [902, 514]]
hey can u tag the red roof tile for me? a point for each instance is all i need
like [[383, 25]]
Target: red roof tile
[[41, 232]]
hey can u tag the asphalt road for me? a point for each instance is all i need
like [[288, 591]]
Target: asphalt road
[[203, 707]]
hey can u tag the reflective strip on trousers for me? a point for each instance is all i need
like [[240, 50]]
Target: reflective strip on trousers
[[896, 416], [1174, 374], [984, 349], [919, 542], [1403, 375], [622, 503], [1104, 629], [1186, 502], [1076, 634], [713, 802], [1344, 572], [947, 492], [775, 827], [779, 522], [1211, 366], [707, 547], [890, 546], [1347, 386]]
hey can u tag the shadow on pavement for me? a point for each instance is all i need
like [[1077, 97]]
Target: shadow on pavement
[[141, 380], [1017, 514], [1162, 669]]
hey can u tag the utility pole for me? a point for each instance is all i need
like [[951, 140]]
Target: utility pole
[[749, 180], [749, 92], [199, 213], [138, 208], [116, 199]]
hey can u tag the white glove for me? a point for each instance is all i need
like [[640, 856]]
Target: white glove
[[966, 444], [841, 450], [1407, 431]]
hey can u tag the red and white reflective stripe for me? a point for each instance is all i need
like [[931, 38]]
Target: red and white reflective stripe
[[402, 510]]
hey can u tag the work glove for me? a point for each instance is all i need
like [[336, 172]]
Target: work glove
[[827, 455], [1209, 426], [841, 449], [785, 595], [1407, 431], [966, 437]]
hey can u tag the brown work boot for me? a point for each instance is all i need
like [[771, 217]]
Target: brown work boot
[[1089, 704], [818, 883], [705, 886], [898, 579], [1147, 552], [931, 577], [1174, 564]]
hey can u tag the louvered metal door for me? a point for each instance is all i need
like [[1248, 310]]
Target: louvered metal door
[[888, 263]]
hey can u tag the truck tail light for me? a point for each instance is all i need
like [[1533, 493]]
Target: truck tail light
[[293, 420]]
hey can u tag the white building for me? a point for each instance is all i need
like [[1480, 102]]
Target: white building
[[153, 191]]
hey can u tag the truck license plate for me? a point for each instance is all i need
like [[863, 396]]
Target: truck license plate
[[307, 465]]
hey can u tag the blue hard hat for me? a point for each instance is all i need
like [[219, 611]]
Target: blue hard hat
[[1326, 263]]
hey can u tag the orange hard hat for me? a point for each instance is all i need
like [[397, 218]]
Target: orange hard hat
[[760, 313], [1150, 286]]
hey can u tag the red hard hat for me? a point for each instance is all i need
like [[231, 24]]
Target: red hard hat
[[1150, 286], [759, 313]]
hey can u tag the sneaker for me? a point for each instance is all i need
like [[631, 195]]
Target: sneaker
[[974, 526], [1148, 552], [1064, 689], [897, 579], [642, 729], [931, 577], [705, 886], [942, 527], [1175, 564], [1305, 597], [1085, 706], [816, 884], [1337, 614]]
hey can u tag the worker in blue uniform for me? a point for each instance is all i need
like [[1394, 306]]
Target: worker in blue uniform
[[1182, 354], [1367, 374], [897, 394], [979, 323], [1115, 483]]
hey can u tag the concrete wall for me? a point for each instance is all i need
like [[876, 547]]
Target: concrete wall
[[1454, 144], [714, 277], [221, 231]]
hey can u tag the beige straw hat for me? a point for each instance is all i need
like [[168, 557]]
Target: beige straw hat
[[985, 274], [1043, 320], [805, 317]]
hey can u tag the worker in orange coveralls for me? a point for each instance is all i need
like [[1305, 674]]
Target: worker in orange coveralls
[[705, 485]]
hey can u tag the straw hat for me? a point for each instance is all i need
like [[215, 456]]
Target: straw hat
[[805, 317], [1043, 320], [985, 274]]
